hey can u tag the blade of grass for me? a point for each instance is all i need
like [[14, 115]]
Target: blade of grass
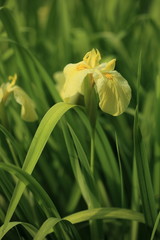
[[78, 172], [62, 228], [91, 214], [135, 200], [40, 194], [7, 184], [121, 173], [74, 198], [42, 72], [143, 171], [96, 227], [30, 228], [86, 170], [42, 134], [157, 222], [65, 230], [135, 191], [156, 169], [105, 213], [46, 228], [108, 163], [28, 70], [145, 183], [13, 145]]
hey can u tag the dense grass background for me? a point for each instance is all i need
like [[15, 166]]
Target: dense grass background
[[37, 39]]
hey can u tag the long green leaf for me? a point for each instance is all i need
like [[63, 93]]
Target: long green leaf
[[66, 230], [85, 188], [156, 227], [145, 183], [91, 214], [85, 169], [108, 163], [105, 213], [42, 134], [11, 141], [62, 228], [30, 228], [46, 228], [40, 194], [86, 182]]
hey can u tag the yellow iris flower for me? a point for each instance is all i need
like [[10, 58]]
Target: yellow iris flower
[[28, 112], [113, 90]]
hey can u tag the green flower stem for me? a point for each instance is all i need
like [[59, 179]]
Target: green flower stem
[[92, 151], [90, 99], [3, 116]]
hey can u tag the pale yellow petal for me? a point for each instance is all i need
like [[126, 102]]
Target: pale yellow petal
[[92, 58], [4, 93], [1, 94], [109, 66], [28, 112], [73, 99], [74, 76], [13, 80], [114, 93]]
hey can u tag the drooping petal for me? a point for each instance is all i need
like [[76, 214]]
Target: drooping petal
[[28, 112], [114, 93], [74, 76], [4, 92]]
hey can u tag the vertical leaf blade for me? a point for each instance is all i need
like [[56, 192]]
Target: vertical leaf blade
[[145, 184]]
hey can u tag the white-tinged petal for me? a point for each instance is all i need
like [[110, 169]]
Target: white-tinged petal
[[106, 67], [74, 76], [114, 93], [28, 112], [110, 66]]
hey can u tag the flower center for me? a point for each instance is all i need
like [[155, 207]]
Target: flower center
[[81, 67], [13, 80], [109, 76], [92, 58], [7, 87]]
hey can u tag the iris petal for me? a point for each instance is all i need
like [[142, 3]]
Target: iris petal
[[74, 76], [92, 58], [1, 94], [114, 93], [109, 66], [27, 105]]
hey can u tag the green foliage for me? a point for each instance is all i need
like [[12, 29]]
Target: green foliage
[[80, 182]]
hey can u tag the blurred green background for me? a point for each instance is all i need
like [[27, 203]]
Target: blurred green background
[[37, 39]]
